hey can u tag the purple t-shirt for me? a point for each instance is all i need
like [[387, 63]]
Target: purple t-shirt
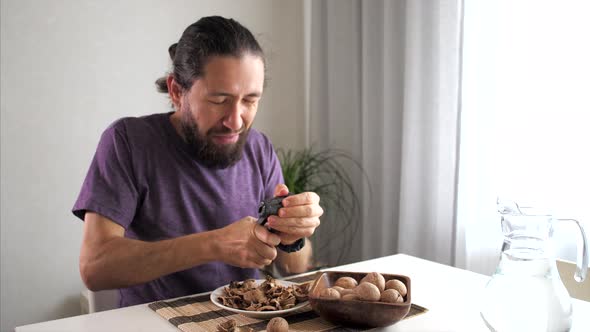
[[143, 178]]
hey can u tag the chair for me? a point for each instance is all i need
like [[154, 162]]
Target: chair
[[578, 290], [91, 302]]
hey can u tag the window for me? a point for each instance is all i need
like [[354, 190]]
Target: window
[[525, 116]]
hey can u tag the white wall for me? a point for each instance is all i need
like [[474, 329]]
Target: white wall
[[70, 68]]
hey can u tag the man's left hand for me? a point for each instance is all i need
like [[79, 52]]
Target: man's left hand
[[299, 216]]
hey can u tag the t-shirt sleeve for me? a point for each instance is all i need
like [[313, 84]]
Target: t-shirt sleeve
[[110, 188]]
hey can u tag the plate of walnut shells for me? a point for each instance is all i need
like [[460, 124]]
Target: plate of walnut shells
[[261, 298]]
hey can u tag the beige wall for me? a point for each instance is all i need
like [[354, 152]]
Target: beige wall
[[70, 68]]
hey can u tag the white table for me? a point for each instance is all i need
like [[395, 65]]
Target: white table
[[445, 313]]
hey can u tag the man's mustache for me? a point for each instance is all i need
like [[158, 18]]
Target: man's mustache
[[226, 131]]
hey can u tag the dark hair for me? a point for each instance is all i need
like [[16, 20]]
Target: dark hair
[[209, 36]]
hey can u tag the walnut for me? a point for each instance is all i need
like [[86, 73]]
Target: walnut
[[227, 326], [347, 291], [329, 293], [367, 291], [346, 282], [376, 279], [277, 324], [350, 297], [391, 296], [397, 285], [338, 288], [232, 326]]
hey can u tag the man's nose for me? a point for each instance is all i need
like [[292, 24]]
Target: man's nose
[[233, 119]]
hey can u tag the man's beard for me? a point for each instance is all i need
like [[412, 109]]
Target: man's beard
[[205, 150]]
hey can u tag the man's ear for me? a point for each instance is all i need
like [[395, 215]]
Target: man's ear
[[174, 91]]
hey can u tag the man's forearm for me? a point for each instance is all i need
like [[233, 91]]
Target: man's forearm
[[295, 262], [122, 262]]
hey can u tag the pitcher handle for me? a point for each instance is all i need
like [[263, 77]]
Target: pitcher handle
[[582, 258]]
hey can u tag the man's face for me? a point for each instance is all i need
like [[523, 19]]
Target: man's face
[[216, 114]]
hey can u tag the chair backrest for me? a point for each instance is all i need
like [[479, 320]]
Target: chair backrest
[[578, 290], [91, 302]]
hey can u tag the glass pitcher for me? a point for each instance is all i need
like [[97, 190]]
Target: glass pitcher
[[526, 293]]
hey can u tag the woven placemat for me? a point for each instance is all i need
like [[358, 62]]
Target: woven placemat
[[198, 314]]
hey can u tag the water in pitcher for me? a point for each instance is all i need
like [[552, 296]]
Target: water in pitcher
[[526, 293]]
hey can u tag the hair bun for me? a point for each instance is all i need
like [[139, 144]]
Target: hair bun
[[172, 51]]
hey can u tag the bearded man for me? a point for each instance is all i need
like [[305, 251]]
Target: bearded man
[[169, 201]]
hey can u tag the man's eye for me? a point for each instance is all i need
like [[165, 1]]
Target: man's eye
[[217, 101], [250, 101]]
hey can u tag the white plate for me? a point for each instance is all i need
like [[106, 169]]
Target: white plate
[[257, 314]]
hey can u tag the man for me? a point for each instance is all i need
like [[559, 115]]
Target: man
[[169, 200]]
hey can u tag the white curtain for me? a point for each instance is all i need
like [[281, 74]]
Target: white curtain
[[383, 83]]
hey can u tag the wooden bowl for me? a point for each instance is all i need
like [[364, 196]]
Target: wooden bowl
[[356, 313]]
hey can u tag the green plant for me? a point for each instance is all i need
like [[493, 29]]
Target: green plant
[[326, 173]]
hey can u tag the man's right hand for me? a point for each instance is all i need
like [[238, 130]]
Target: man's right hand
[[110, 260], [246, 244]]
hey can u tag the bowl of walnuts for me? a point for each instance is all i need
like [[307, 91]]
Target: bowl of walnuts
[[363, 299]]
